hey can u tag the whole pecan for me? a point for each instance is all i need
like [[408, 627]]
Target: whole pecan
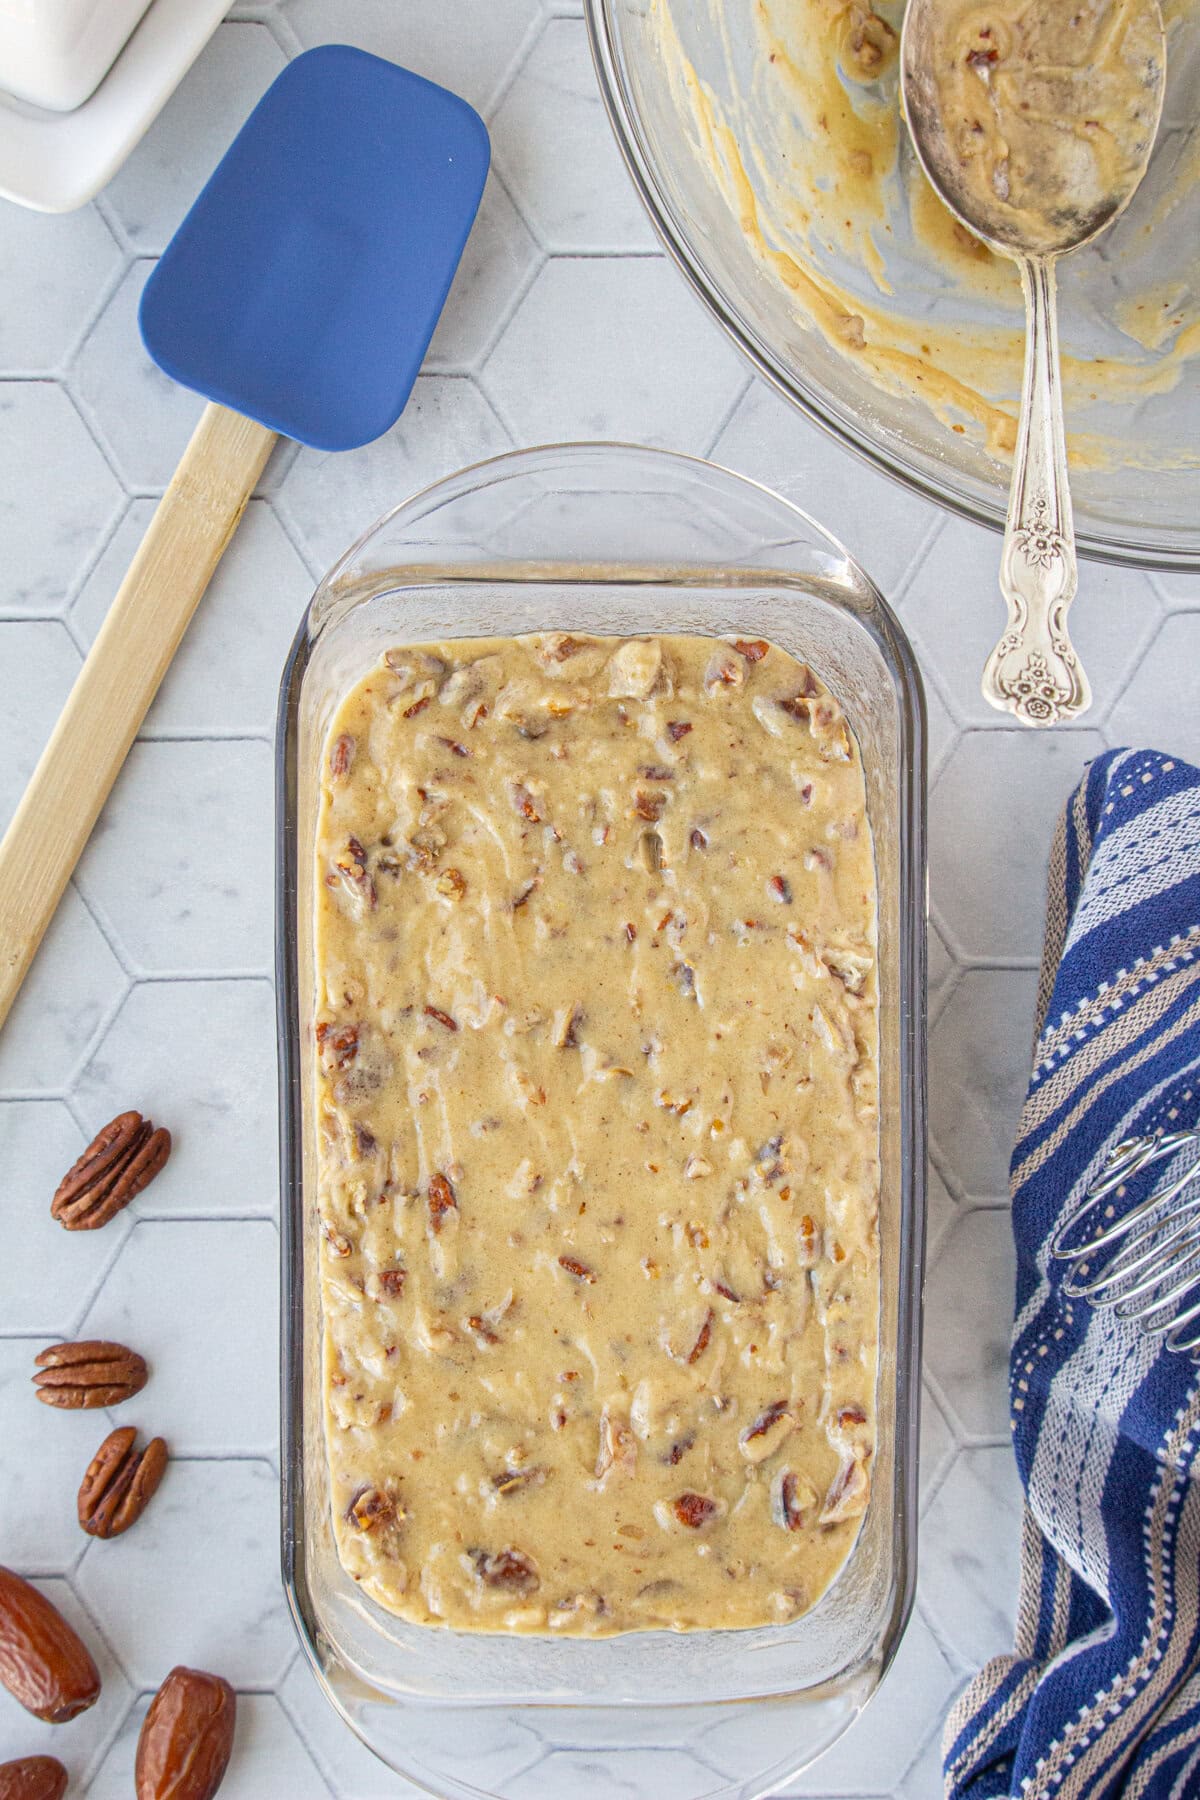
[[44, 1663], [33, 1778], [118, 1163], [186, 1738], [91, 1373], [120, 1483]]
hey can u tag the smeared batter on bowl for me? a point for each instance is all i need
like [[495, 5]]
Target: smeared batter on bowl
[[807, 149], [596, 1094], [1046, 112]]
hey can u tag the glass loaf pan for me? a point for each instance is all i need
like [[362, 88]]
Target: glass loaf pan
[[613, 540]]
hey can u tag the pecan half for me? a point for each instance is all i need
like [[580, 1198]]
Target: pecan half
[[694, 1510], [506, 1569], [118, 1163], [91, 1373], [701, 1344], [120, 1483], [341, 756], [442, 1200], [579, 1270], [370, 1508], [44, 1663], [186, 1738], [793, 1500], [33, 1778]]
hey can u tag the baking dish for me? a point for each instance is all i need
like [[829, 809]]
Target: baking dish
[[613, 540]]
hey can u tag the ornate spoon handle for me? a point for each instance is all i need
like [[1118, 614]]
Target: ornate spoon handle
[[1033, 672]]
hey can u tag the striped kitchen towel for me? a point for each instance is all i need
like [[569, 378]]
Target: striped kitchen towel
[[1102, 1695]]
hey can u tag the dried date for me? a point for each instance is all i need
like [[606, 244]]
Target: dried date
[[186, 1738]]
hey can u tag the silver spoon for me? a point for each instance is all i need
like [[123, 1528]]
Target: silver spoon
[[973, 77]]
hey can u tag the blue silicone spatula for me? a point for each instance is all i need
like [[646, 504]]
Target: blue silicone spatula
[[299, 296]]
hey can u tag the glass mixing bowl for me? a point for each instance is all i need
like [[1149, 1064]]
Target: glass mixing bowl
[[726, 111], [606, 539]]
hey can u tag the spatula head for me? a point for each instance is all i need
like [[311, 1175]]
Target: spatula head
[[303, 287]]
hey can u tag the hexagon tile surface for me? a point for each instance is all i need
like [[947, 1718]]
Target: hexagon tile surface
[[152, 988]]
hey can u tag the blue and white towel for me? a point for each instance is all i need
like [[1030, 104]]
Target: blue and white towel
[[1102, 1695]]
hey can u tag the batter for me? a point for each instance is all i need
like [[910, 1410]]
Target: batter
[[1049, 110], [596, 1089]]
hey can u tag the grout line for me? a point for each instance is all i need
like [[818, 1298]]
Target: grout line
[[277, 501], [281, 30], [96, 913], [524, 50], [186, 1216], [159, 977], [107, 292], [710, 444], [925, 544], [116, 227], [216, 734], [91, 424], [92, 1294]]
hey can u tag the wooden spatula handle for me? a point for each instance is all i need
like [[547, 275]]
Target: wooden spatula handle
[[184, 542]]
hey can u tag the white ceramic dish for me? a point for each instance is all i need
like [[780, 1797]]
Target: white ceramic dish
[[55, 53], [56, 161]]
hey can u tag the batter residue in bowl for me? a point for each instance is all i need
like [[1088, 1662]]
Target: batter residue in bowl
[[596, 1098], [1048, 110], [793, 111]]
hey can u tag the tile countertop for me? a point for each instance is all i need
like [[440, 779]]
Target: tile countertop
[[154, 985]]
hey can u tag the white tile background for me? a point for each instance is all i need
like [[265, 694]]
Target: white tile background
[[153, 986]]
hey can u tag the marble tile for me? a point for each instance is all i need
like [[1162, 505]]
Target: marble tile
[[330, 500], [584, 201], [939, 724], [143, 417], [55, 505], [199, 1300], [937, 1445], [880, 524], [215, 1526], [268, 1758], [940, 1211], [992, 903], [72, 987], [1180, 593], [924, 1779], [53, 274], [352, 1771], [80, 1744], [980, 1052], [180, 864], [941, 966], [971, 1553], [968, 1320], [1158, 709], [888, 1736], [954, 610], [473, 58], [614, 1775], [498, 261], [49, 662], [159, 1054], [489, 1745], [47, 1275], [45, 1455], [154, 189], [254, 601], [612, 348]]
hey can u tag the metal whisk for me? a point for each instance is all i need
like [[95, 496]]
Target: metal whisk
[[1146, 1264]]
